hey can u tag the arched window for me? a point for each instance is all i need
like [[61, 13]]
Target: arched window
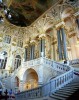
[[20, 43], [7, 39], [3, 59], [16, 81], [32, 49], [17, 62]]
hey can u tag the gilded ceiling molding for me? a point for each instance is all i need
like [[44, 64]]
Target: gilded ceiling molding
[[48, 19], [57, 10], [54, 4]]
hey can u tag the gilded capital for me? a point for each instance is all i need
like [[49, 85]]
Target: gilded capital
[[42, 36], [60, 25], [32, 42]]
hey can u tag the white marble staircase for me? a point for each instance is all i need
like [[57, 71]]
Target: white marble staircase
[[65, 92]]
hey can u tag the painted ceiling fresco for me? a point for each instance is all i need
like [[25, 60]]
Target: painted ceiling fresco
[[25, 12]]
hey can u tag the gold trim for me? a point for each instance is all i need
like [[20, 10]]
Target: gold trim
[[54, 42], [72, 35]]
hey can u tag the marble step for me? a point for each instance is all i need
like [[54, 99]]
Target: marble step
[[57, 98], [72, 85], [60, 95], [70, 88], [65, 93]]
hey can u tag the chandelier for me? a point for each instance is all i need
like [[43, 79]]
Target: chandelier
[[5, 10]]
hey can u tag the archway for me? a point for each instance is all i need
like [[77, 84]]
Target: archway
[[16, 81], [30, 79]]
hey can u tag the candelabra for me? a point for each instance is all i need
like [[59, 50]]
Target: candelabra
[[6, 12]]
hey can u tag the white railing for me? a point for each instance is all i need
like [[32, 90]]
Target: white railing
[[56, 65], [48, 88], [47, 62], [33, 62], [73, 62], [57, 83]]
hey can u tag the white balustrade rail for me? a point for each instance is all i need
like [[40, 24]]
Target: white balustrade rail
[[33, 62], [73, 62], [47, 62], [58, 82], [47, 88], [56, 65]]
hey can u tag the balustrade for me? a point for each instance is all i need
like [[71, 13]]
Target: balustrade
[[73, 62], [32, 62], [55, 65]]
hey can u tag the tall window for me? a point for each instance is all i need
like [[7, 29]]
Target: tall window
[[42, 47], [17, 61], [7, 39], [32, 49], [3, 60], [20, 43]]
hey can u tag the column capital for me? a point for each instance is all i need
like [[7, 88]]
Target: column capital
[[60, 25], [32, 42], [42, 36], [26, 45]]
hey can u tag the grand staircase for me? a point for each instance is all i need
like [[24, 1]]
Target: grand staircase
[[68, 92], [65, 86]]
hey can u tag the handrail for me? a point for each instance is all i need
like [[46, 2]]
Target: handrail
[[73, 62], [47, 62], [56, 65]]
